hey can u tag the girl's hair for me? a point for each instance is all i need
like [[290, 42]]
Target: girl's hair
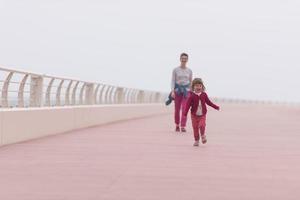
[[198, 81]]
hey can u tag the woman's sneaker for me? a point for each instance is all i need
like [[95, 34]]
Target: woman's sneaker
[[204, 140], [196, 143], [183, 130], [177, 129]]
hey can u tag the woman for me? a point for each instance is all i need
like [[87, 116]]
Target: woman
[[181, 83]]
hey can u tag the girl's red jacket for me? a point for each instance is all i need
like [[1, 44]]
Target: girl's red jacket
[[193, 103]]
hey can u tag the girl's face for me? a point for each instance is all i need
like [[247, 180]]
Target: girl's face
[[198, 88]]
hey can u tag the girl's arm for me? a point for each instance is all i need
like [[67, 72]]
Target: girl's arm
[[208, 102]]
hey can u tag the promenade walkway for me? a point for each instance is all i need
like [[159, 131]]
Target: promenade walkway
[[253, 152]]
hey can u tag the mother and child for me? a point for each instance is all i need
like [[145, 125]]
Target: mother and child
[[189, 94]]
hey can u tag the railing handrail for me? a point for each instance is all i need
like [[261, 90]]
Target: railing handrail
[[2, 68]]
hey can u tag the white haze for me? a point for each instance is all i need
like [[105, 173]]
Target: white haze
[[242, 49]]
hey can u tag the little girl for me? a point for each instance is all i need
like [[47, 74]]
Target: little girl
[[197, 101]]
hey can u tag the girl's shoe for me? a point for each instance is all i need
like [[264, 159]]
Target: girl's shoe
[[204, 140], [177, 129], [183, 130], [196, 143]]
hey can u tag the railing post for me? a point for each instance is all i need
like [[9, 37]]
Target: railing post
[[101, 94], [82, 90], [95, 95], [74, 93], [157, 97], [89, 94], [129, 95], [110, 95], [141, 96], [120, 95], [21, 103], [36, 91], [67, 95], [135, 96], [48, 92], [58, 92], [4, 100], [106, 97]]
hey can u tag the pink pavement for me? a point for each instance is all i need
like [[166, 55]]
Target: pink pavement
[[253, 153]]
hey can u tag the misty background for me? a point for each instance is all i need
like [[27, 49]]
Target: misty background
[[241, 49]]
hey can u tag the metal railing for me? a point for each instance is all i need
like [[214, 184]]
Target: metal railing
[[26, 89]]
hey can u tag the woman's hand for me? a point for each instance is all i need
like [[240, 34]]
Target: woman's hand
[[173, 94]]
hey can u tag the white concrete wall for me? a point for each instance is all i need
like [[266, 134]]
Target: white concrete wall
[[17, 125]]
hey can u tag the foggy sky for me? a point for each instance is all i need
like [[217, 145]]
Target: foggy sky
[[241, 49]]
